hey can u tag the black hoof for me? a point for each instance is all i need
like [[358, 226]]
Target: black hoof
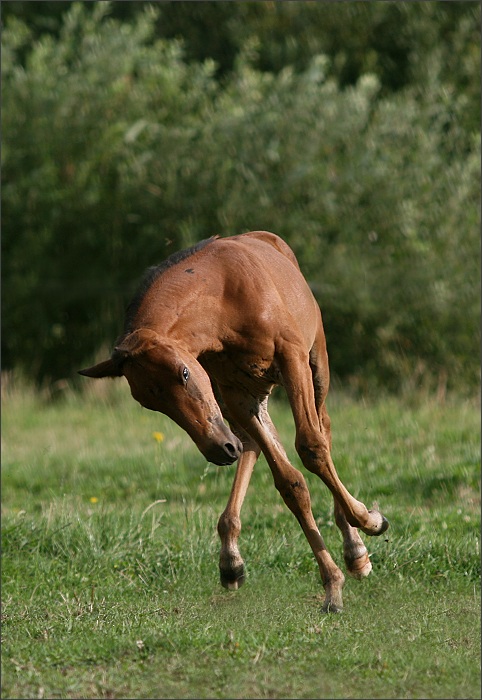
[[232, 579]]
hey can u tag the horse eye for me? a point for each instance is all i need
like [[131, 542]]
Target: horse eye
[[185, 374]]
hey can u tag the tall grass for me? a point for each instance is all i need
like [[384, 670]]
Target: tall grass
[[110, 582]]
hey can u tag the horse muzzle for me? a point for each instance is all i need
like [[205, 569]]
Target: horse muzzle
[[222, 447], [224, 453]]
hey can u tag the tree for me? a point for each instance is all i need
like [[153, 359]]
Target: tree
[[117, 150]]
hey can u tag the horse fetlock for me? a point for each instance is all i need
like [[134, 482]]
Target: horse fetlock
[[358, 564], [229, 527]]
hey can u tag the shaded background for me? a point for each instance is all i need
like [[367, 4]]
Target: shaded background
[[132, 129]]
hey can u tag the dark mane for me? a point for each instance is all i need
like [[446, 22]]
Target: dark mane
[[153, 273]]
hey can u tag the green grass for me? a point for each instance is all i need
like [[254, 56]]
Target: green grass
[[110, 581]]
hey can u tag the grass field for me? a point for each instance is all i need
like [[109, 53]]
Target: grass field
[[110, 574]]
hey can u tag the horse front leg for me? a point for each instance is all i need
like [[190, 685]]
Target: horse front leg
[[252, 414], [231, 564]]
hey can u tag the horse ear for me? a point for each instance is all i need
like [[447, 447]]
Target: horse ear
[[137, 342], [108, 368], [141, 340]]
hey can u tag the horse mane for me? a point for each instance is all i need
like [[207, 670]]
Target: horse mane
[[153, 273]]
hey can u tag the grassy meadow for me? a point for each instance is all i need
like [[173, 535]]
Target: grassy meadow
[[110, 574]]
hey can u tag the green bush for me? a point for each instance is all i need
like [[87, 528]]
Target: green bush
[[117, 151]]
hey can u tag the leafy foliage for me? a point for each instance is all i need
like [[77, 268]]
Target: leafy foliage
[[120, 147]]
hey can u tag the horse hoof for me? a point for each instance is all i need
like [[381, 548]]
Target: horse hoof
[[329, 607], [232, 579], [378, 526]]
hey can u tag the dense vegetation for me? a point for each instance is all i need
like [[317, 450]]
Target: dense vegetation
[[351, 129]]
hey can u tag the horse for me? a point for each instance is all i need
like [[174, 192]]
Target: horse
[[212, 330]]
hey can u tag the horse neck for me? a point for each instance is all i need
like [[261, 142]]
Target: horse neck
[[183, 312]]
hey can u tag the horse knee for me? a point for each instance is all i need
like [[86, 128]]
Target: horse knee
[[294, 492]]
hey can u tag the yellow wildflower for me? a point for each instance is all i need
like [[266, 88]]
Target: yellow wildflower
[[93, 499], [158, 437]]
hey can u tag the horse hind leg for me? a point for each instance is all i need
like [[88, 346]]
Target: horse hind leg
[[231, 565], [355, 553]]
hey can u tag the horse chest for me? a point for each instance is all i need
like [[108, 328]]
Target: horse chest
[[253, 372]]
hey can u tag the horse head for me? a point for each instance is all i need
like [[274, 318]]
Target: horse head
[[169, 379]]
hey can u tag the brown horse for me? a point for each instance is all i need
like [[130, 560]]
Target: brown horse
[[235, 316]]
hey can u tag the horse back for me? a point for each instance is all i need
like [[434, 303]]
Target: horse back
[[245, 290]]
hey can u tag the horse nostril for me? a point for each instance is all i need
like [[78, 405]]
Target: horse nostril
[[231, 449]]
